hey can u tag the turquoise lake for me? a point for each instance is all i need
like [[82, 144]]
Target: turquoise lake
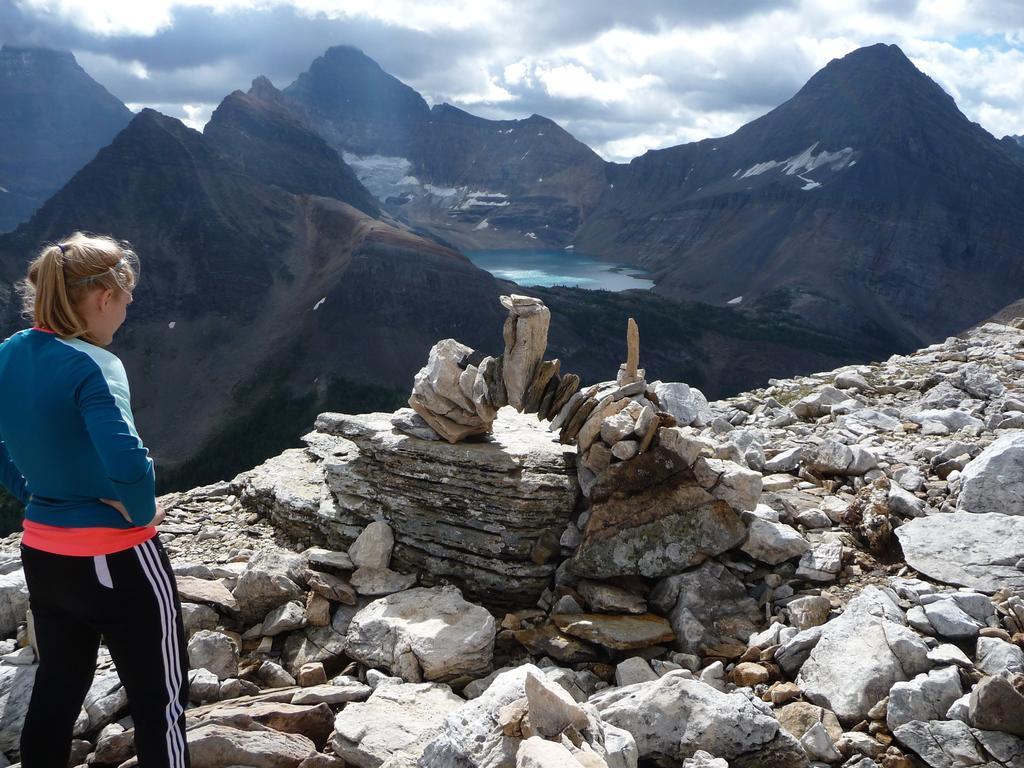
[[550, 268]]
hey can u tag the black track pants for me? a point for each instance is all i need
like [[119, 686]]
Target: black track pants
[[131, 600]]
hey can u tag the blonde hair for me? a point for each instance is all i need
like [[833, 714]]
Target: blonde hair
[[65, 272]]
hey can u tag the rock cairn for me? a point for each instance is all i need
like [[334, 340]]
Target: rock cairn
[[459, 391], [825, 571]]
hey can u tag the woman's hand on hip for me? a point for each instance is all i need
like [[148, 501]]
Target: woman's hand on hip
[[157, 519]]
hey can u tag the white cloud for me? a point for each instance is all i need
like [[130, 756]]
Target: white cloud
[[123, 17], [604, 70]]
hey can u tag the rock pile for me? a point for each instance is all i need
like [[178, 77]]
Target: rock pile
[[826, 571]]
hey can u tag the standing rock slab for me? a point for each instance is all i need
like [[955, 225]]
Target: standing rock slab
[[526, 339], [673, 717], [394, 725], [994, 481], [978, 550], [423, 634], [860, 655]]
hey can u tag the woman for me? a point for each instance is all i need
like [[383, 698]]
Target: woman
[[93, 563]]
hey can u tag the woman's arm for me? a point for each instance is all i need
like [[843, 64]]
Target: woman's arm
[[11, 476], [120, 450]]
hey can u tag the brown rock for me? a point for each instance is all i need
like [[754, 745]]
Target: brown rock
[[748, 674], [210, 592], [798, 717], [781, 693], [312, 674], [318, 610], [568, 385], [316, 722], [649, 518], [547, 640], [575, 423], [607, 598], [332, 587], [450, 430], [592, 428], [619, 632]]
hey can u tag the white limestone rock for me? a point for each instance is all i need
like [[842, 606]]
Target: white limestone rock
[[860, 655], [423, 634], [674, 716], [394, 724], [994, 480]]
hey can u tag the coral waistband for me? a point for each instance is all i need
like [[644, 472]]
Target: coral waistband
[[83, 541]]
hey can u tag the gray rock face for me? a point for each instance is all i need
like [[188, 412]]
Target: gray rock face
[[927, 697], [473, 735], [686, 403], [394, 724], [952, 743], [214, 652], [706, 605], [270, 579], [372, 548], [860, 655], [835, 458], [998, 657], [994, 481], [773, 543], [13, 601], [976, 550], [423, 634], [291, 492], [995, 705], [673, 717], [15, 691], [655, 515], [470, 513]]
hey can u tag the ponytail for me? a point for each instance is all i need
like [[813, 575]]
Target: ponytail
[[60, 276]]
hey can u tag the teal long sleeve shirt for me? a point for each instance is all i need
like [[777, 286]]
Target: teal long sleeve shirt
[[67, 434]]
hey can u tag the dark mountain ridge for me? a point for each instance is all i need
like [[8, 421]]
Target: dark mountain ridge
[[470, 180], [54, 119], [245, 285], [867, 196]]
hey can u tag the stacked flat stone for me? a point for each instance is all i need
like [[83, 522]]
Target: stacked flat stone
[[458, 392]]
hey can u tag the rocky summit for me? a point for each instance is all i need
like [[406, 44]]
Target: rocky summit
[[825, 571]]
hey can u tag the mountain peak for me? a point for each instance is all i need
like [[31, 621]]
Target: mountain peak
[[348, 87], [263, 88]]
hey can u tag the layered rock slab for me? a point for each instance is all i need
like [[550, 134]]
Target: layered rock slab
[[978, 550], [476, 514]]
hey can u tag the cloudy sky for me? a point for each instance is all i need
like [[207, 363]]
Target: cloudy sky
[[622, 76]]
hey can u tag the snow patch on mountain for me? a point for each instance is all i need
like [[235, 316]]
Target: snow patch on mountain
[[805, 162]]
